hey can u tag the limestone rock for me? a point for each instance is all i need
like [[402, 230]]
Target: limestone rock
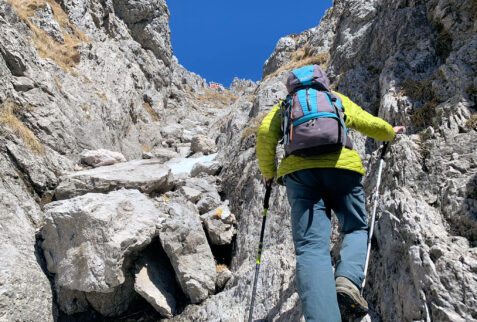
[[209, 192], [41, 171], [147, 155], [409, 62], [145, 175], [25, 292], [101, 157], [242, 86], [172, 132], [185, 243], [186, 80], [88, 95], [113, 303], [208, 201], [190, 194], [184, 149], [22, 84], [163, 154], [207, 167], [87, 238], [44, 19], [223, 276], [155, 282], [185, 165], [220, 225], [203, 144]]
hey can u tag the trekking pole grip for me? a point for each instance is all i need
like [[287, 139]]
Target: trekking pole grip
[[267, 195]]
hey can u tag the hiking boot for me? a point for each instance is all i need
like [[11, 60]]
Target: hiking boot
[[350, 301]]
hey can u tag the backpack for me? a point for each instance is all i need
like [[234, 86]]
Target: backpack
[[312, 117]]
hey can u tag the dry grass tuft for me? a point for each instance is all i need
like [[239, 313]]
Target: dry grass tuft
[[423, 116], [9, 119], [217, 99], [220, 268], [58, 84], [65, 55], [472, 122], [418, 89], [152, 113], [421, 90], [146, 148], [102, 96]]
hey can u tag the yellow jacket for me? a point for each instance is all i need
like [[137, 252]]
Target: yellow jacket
[[269, 133]]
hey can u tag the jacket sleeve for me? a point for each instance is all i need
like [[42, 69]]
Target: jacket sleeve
[[268, 135], [364, 122]]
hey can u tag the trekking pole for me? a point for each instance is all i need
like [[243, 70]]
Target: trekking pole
[[260, 247], [375, 206]]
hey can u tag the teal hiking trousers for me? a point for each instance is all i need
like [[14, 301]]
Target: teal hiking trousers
[[312, 194]]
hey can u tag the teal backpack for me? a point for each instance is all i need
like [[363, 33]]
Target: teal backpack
[[312, 117]]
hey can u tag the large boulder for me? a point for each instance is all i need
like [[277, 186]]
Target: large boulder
[[87, 239], [145, 175]]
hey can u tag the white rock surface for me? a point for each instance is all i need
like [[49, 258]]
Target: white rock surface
[[87, 238], [184, 241], [185, 165], [201, 143], [101, 157], [223, 276], [190, 194], [145, 175], [208, 167], [220, 225], [164, 154]]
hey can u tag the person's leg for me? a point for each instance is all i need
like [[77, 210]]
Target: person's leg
[[345, 195], [311, 235]]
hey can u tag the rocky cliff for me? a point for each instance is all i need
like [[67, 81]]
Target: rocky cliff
[[167, 226]]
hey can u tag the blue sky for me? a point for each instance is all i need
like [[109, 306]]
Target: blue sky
[[222, 39]]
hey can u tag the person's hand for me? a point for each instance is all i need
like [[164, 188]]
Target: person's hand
[[398, 129], [267, 181]]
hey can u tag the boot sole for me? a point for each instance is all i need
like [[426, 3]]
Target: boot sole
[[350, 307]]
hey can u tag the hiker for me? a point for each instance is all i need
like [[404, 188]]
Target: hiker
[[319, 179]]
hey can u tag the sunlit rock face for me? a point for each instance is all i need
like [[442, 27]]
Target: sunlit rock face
[[175, 236], [413, 64]]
